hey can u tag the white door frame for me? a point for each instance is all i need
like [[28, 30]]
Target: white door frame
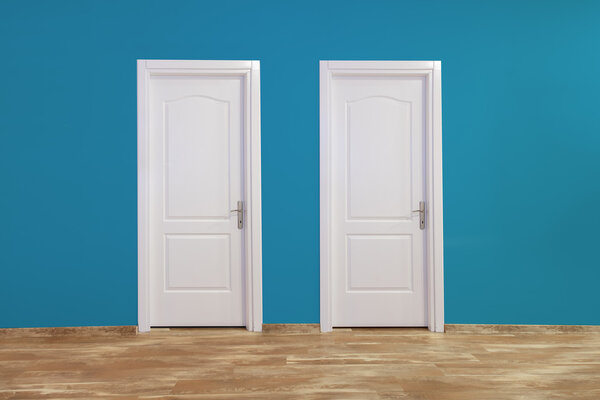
[[250, 71], [434, 258]]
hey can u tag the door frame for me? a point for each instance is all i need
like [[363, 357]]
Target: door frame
[[251, 163], [434, 254]]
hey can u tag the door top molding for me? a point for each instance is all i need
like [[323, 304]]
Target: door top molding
[[201, 64], [381, 65]]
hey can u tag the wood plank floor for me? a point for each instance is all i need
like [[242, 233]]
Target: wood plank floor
[[346, 364]]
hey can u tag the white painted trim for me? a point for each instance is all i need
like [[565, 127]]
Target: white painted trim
[[381, 65], [143, 196], [254, 317], [200, 64], [250, 70], [436, 258], [431, 70], [324, 187]]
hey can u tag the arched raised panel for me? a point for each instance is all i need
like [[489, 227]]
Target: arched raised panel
[[197, 158], [378, 132]]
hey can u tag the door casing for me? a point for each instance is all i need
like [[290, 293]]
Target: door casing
[[434, 254], [251, 162]]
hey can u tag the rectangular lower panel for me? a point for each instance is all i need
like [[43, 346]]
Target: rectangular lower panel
[[379, 263], [197, 262]]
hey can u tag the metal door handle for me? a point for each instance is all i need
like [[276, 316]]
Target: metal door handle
[[421, 211], [240, 211]]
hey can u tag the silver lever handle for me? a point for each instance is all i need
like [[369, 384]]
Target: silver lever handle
[[240, 211], [421, 211]]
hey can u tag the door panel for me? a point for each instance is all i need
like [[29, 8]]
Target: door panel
[[378, 158], [393, 252], [196, 130], [185, 253], [377, 142], [197, 158]]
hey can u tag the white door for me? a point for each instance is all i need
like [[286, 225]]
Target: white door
[[195, 181], [377, 124]]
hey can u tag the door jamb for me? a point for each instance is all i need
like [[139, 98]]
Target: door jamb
[[434, 256], [250, 71]]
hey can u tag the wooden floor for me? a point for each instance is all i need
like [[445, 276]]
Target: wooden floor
[[345, 364]]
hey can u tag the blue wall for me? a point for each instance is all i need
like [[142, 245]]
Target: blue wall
[[521, 93]]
